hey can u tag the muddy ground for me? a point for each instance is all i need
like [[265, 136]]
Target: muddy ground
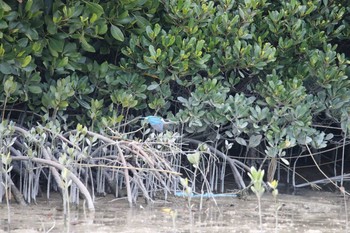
[[308, 211]]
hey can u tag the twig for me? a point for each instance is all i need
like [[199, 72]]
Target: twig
[[232, 162], [126, 175], [318, 167], [53, 164]]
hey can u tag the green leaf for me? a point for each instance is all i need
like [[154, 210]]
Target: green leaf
[[117, 33], [184, 182], [286, 162], [141, 21], [329, 136], [254, 140], [200, 45], [102, 29], [28, 5], [152, 51], [23, 42], [10, 86], [194, 158], [3, 24], [83, 103], [56, 44], [241, 141], [93, 18], [86, 46], [6, 68], [229, 134], [149, 32], [95, 8], [153, 86], [142, 66], [149, 60], [51, 27], [34, 89], [157, 29], [4, 6], [26, 61], [63, 62], [104, 67], [63, 104], [182, 99]]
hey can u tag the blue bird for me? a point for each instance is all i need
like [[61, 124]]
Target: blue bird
[[157, 123]]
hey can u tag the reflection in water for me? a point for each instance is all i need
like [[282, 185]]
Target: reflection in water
[[323, 212]]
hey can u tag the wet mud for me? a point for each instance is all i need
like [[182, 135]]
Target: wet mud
[[309, 211]]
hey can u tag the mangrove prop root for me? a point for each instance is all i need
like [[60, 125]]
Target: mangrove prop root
[[74, 178]]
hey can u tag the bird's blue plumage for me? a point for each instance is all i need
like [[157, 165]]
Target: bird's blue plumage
[[157, 123]]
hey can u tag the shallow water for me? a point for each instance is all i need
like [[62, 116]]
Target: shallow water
[[311, 211]]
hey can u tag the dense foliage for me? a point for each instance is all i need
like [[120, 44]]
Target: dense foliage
[[247, 71], [264, 68]]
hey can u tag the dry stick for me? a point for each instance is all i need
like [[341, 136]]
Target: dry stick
[[271, 169], [292, 157], [99, 136], [23, 111], [46, 154], [342, 159], [128, 167], [54, 164], [15, 192], [296, 173], [126, 174], [133, 169], [144, 154], [96, 152], [321, 181], [3, 110], [140, 183], [111, 182], [318, 167], [150, 162], [55, 172], [62, 137], [342, 190], [162, 161], [221, 154], [159, 162], [138, 151], [7, 195], [232, 162]]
